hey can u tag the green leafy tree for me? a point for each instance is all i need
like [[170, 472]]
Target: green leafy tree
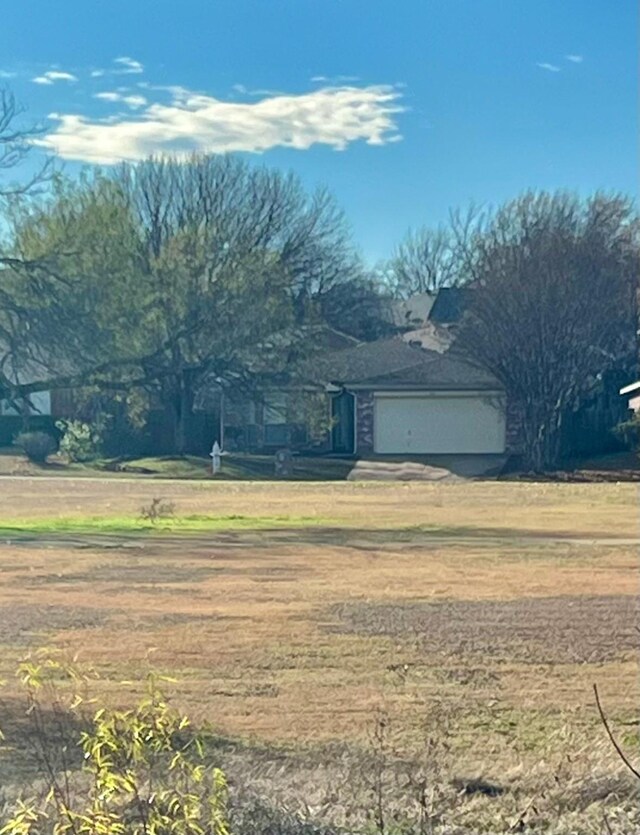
[[177, 274]]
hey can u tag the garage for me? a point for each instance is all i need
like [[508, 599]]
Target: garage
[[439, 423]]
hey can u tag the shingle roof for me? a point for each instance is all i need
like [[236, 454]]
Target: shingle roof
[[394, 363], [450, 304]]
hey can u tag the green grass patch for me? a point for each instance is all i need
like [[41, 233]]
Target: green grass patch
[[136, 524]]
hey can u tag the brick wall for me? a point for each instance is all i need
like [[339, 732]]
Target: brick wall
[[364, 422], [514, 427]]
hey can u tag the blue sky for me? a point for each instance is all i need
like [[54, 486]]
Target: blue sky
[[402, 108]]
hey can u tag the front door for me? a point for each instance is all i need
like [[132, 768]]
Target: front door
[[343, 429]]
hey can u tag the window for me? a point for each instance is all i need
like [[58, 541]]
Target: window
[[41, 405]]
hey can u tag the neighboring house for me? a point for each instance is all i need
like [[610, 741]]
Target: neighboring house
[[40, 411], [412, 312], [40, 404], [431, 320], [632, 393], [450, 305]]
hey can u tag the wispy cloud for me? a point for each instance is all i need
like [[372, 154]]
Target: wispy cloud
[[7, 74], [548, 67], [334, 79], [107, 95], [128, 66], [332, 116], [132, 100], [135, 101], [242, 90], [51, 76], [575, 59]]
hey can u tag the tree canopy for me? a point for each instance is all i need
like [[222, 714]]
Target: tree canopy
[[174, 272], [554, 306]]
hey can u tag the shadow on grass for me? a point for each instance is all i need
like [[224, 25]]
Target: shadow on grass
[[236, 532], [34, 746]]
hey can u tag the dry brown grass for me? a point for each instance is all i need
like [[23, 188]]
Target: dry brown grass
[[576, 510], [298, 638]]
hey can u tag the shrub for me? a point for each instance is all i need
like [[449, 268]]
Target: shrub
[[157, 510], [142, 770], [629, 432], [37, 446], [80, 441]]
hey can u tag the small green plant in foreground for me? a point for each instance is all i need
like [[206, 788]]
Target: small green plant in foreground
[[143, 771]]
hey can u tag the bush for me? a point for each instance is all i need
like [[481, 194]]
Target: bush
[[629, 432], [141, 771], [37, 446], [80, 441]]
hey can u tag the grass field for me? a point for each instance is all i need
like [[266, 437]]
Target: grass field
[[475, 617]]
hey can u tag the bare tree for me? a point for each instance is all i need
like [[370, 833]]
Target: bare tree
[[15, 145], [244, 209], [430, 258], [16, 272], [554, 307], [234, 254]]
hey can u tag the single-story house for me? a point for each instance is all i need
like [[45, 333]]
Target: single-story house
[[389, 397], [411, 401]]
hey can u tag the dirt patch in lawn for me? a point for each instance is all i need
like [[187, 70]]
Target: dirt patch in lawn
[[24, 625], [555, 630]]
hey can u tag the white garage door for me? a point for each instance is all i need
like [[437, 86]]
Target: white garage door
[[438, 423]]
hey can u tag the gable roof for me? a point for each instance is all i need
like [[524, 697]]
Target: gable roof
[[450, 305], [412, 311], [393, 363]]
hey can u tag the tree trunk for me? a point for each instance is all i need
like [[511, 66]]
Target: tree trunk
[[182, 401], [542, 447]]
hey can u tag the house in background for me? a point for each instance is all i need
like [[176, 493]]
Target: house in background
[[407, 400], [632, 393], [408, 395], [42, 409], [388, 397]]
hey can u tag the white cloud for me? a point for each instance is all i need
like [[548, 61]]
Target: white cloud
[[548, 67], [108, 96], [334, 79], [7, 74], [127, 65], [97, 73], [51, 76], [195, 122], [262, 92], [575, 59], [132, 100]]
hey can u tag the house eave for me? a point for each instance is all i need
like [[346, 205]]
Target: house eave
[[379, 387]]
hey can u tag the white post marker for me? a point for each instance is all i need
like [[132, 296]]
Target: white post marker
[[215, 458]]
